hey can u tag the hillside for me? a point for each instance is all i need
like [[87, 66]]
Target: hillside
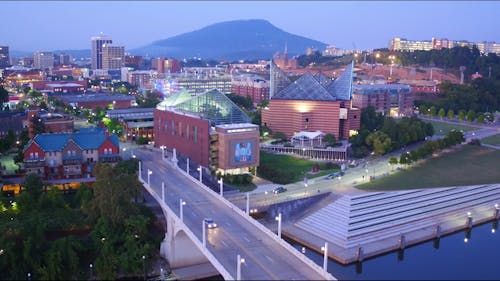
[[231, 40]]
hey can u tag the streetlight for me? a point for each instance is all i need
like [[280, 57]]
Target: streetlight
[[278, 218], [248, 203], [187, 165], [90, 271], [149, 177], [144, 266], [204, 238], [181, 204], [325, 256], [221, 189], [239, 261], [199, 169]]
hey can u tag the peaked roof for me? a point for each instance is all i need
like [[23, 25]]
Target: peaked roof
[[319, 87], [305, 88], [91, 138]]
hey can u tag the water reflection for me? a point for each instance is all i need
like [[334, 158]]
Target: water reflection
[[428, 260]]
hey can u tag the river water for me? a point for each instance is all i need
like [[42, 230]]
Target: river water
[[448, 258]]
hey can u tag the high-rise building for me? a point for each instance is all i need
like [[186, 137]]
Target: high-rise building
[[113, 57], [65, 59], [133, 61], [165, 65], [43, 60], [4, 56], [97, 43]]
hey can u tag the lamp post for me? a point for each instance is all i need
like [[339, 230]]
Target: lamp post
[[200, 170], [144, 266], [248, 203], [325, 256], [204, 238], [29, 275], [91, 266], [149, 177], [239, 261], [221, 189], [278, 218], [187, 165], [163, 191], [181, 204]]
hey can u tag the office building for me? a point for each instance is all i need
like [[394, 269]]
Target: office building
[[252, 86], [113, 57], [395, 100], [97, 44], [4, 56], [43, 60]]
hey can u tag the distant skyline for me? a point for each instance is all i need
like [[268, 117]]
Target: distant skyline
[[57, 25]]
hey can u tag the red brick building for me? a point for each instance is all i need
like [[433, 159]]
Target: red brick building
[[251, 86], [209, 129], [314, 103]]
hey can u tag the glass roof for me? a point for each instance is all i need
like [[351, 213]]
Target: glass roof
[[211, 105]]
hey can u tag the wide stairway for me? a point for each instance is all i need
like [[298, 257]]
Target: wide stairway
[[351, 221]]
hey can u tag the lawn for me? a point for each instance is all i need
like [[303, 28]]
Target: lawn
[[468, 166], [295, 168], [493, 140], [441, 128]]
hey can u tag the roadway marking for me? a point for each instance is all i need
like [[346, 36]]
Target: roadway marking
[[224, 243], [270, 259], [246, 238]]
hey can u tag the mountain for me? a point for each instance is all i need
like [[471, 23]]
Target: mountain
[[231, 40], [85, 53]]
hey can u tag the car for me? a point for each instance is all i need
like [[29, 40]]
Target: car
[[210, 223], [279, 189], [334, 175]]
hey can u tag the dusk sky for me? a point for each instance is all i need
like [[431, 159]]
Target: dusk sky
[[45, 26]]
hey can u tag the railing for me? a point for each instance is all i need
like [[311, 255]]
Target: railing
[[268, 232]]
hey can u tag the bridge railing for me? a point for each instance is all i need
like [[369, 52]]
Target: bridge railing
[[268, 232], [213, 260]]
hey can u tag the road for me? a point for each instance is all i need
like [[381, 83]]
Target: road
[[264, 258]]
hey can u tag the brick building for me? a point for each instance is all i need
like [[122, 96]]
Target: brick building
[[209, 129], [388, 99], [92, 101], [70, 155], [313, 103], [252, 86]]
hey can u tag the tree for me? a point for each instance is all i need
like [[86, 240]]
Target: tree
[[280, 136], [450, 114], [38, 125], [480, 118], [4, 95], [329, 139], [432, 111], [470, 115], [441, 113], [380, 141], [461, 115]]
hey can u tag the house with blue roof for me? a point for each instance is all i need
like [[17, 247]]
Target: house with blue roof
[[70, 155]]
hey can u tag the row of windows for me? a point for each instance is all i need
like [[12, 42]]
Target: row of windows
[[70, 152], [179, 126]]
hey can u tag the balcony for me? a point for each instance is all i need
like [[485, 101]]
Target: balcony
[[34, 162], [72, 160]]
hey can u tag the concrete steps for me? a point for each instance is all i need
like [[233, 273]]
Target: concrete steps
[[354, 220]]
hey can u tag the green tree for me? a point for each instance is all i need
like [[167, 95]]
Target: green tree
[[441, 113], [432, 111], [450, 114], [280, 136], [380, 141], [461, 115], [38, 125], [330, 140], [470, 115], [480, 118]]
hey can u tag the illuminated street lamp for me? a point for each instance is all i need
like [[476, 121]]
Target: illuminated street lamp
[[200, 170], [278, 218], [239, 261], [181, 204], [149, 177], [221, 188], [325, 256]]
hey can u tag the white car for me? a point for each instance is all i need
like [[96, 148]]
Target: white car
[[210, 223]]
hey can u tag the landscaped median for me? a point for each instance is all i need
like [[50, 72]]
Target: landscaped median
[[469, 165], [285, 169]]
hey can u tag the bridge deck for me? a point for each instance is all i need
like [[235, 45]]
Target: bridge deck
[[266, 258]]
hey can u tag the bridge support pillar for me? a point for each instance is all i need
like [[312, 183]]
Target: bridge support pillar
[[178, 248]]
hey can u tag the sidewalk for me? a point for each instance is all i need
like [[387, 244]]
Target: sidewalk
[[263, 185]]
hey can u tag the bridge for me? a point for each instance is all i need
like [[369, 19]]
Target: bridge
[[240, 248]]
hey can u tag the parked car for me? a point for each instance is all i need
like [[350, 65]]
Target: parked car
[[210, 223], [279, 189], [334, 175]]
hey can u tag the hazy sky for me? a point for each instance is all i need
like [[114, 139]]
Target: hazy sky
[[44, 25]]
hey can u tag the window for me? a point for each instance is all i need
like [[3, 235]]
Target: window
[[36, 154], [307, 119], [31, 155], [173, 128], [69, 152], [180, 129], [187, 131], [166, 126], [195, 134]]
